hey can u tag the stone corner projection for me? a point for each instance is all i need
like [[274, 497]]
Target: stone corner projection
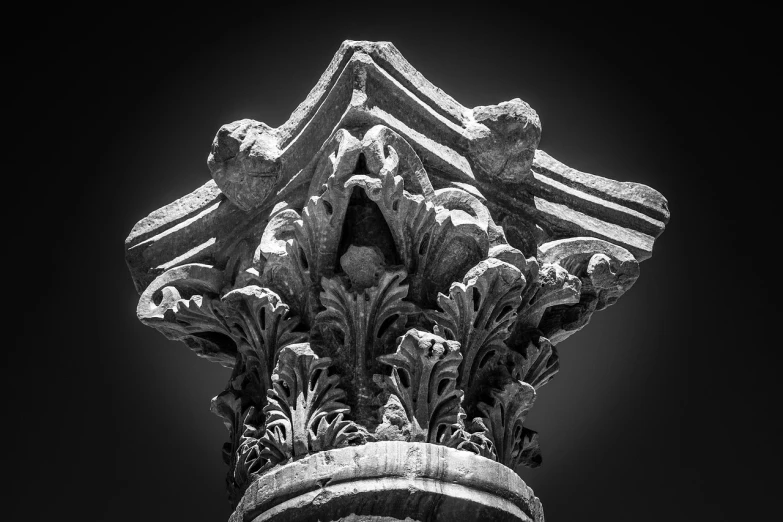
[[388, 273]]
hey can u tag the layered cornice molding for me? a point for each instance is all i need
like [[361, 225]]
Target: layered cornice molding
[[369, 83]]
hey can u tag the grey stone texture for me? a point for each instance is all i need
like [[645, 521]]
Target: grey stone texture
[[389, 481], [388, 274]]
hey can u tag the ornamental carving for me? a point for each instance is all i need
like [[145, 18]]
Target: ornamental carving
[[386, 266]]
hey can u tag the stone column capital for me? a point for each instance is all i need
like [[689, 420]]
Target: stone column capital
[[388, 273]]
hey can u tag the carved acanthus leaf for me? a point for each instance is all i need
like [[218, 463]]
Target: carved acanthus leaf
[[438, 235], [183, 305], [438, 240], [304, 413], [541, 362], [282, 272], [478, 312], [235, 406], [261, 325], [514, 444], [424, 378], [472, 439], [248, 460], [252, 323], [554, 286], [317, 235], [199, 322], [367, 320]]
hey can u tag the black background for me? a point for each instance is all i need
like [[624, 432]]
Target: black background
[[655, 413]]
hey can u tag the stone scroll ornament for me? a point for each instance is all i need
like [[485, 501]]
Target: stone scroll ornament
[[386, 268]]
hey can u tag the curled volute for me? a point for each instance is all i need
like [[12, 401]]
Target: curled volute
[[605, 271]]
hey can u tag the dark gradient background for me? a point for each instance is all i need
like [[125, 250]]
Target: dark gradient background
[[654, 413]]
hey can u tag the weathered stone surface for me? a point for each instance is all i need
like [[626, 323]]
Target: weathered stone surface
[[245, 162], [390, 479], [364, 266], [387, 273], [506, 152], [560, 201], [424, 379]]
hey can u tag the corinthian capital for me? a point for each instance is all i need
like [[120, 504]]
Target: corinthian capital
[[388, 273]]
